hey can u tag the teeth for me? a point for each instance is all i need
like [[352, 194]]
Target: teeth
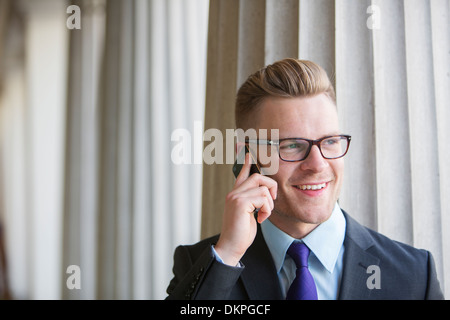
[[312, 187]]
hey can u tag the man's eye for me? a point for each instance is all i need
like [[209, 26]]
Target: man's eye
[[331, 141], [293, 146]]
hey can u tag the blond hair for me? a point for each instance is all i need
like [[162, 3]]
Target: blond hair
[[286, 78]]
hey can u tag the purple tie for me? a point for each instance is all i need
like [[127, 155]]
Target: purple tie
[[303, 287]]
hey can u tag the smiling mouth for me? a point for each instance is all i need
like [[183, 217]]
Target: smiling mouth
[[311, 186]]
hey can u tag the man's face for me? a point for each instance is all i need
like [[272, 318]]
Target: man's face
[[311, 118]]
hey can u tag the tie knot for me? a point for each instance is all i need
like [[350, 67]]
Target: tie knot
[[300, 253]]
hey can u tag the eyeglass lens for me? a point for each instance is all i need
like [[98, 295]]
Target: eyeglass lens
[[298, 149]]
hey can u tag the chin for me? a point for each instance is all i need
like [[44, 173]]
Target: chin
[[305, 213], [313, 216]]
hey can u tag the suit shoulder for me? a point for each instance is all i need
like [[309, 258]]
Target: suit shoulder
[[405, 272], [397, 249], [374, 241], [393, 253]]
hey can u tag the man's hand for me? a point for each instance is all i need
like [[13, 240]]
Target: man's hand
[[239, 225]]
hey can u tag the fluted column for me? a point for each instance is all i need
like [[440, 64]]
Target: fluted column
[[389, 62]]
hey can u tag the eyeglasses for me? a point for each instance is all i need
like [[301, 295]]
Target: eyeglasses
[[298, 149]]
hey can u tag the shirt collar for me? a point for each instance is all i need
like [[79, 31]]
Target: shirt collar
[[325, 241]]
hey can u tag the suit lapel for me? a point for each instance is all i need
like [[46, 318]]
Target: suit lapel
[[259, 277], [356, 261]]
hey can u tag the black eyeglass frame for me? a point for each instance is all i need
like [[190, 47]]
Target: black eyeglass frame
[[310, 142]]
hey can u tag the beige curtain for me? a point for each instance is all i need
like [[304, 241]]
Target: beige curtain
[[87, 117], [32, 113], [141, 70], [390, 63], [86, 123]]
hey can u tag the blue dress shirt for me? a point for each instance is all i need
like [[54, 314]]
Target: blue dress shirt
[[326, 243]]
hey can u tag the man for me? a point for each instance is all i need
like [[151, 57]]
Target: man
[[301, 235]]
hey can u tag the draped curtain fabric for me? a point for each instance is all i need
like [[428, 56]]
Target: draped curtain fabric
[[34, 55], [390, 62], [88, 116], [145, 82], [86, 123]]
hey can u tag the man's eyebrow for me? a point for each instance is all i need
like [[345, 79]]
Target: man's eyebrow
[[336, 133]]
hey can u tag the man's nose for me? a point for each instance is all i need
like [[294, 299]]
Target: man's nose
[[314, 162]]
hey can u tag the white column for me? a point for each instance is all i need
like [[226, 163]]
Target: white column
[[93, 26], [355, 104], [160, 152], [14, 211], [178, 31], [142, 280], [46, 61], [252, 33], [221, 84], [82, 149], [440, 31], [423, 129], [316, 35], [281, 40], [393, 158]]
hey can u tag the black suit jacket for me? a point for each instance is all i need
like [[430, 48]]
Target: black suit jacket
[[405, 272]]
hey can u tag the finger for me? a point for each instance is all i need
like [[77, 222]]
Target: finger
[[258, 192], [262, 216], [272, 186], [255, 181], [264, 206], [245, 171]]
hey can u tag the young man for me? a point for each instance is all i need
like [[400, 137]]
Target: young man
[[302, 244]]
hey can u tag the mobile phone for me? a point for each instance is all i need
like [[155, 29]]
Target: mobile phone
[[255, 168]]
